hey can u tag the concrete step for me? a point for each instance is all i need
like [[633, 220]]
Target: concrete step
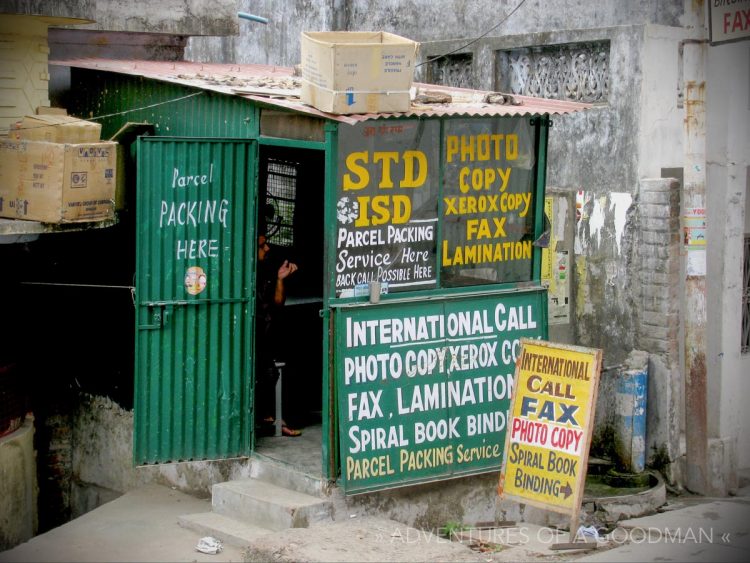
[[268, 505], [287, 476], [229, 530]]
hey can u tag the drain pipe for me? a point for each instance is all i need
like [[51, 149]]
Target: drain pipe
[[251, 17]]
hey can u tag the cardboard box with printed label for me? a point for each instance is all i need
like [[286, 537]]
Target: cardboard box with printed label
[[57, 129], [57, 183], [347, 72]]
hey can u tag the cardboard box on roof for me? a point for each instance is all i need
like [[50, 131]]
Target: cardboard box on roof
[[347, 72], [57, 129], [57, 183]]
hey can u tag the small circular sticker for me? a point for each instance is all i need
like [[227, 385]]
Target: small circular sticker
[[347, 210], [195, 280]]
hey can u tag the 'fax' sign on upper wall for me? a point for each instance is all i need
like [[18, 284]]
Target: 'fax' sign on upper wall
[[729, 20]]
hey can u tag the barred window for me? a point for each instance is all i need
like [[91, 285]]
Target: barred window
[[577, 72], [746, 298], [281, 192]]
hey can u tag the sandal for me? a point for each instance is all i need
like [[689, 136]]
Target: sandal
[[292, 433]]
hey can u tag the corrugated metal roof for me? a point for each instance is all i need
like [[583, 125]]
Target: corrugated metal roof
[[276, 86]]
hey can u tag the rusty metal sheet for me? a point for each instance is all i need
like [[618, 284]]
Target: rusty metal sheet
[[246, 80]]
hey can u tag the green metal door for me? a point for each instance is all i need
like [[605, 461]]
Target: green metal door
[[194, 322]]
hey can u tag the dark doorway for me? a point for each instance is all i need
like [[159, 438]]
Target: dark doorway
[[290, 203]]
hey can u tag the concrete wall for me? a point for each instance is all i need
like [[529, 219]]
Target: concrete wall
[[727, 159], [102, 460], [77, 9], [660, 102], [275, 43], [596, 152], [18, 486], [626, 255], [181, 17], [421, 20], [628, 286]]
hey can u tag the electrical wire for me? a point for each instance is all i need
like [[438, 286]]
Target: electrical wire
[[501, 22], [7, 129]]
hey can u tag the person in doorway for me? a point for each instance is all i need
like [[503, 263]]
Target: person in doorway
[[270, 297]]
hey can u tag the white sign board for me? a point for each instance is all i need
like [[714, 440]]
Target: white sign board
[[729, 20]]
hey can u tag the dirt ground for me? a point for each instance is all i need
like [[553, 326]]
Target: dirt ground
[[375, 539]]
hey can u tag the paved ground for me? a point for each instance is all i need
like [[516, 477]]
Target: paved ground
[[138, 526], [142, 526], [697, 530]]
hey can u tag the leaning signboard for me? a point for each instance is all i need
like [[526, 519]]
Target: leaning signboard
[[423, 388], [549, 431]]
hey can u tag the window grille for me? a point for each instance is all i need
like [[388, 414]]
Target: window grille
[[281, 193], [454, 71], [746, 298], [577, 72]]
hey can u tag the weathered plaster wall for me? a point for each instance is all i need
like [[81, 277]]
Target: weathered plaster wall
[[182, 17], [727, 159], [18, 486], [624, 251], [420, 20], [102, 459], [661, 147], [82, 9], [594, 154], [660, 101], [275, 43]]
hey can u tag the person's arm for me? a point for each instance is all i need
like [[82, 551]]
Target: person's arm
[[285, 270]]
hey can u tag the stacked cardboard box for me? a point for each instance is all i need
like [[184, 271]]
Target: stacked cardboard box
[[57, 129], [57, 172]]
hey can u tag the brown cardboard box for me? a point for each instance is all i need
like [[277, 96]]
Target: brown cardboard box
[[48, 110], [57, 183], [57, 129], [349, 72]]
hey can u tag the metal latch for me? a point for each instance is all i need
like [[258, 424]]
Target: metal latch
[[159, 317]]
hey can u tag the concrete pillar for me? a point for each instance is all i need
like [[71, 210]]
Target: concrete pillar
[[694, 205], [728, 177]]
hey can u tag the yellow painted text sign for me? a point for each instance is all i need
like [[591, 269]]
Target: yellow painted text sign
[[549, 433]]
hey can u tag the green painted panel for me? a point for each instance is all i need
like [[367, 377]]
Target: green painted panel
[[174, 110], [423, 388], [195, 255]]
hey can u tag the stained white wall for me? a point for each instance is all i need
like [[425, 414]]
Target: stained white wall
[[728, 158], [421, 20], [661, 115]]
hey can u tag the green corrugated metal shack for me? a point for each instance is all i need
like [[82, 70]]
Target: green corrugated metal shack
[[418, 274]]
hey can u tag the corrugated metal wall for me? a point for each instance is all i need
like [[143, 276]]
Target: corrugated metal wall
[[125, 99], [194, 315]]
